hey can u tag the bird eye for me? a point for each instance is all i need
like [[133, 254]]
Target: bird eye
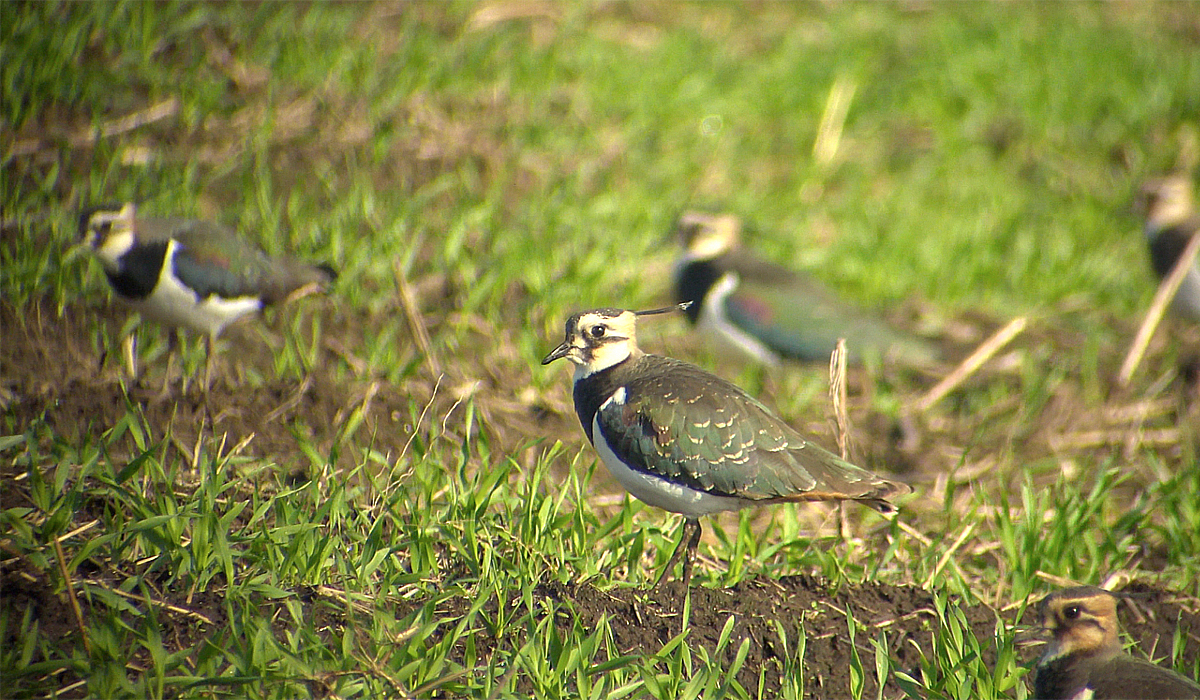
[[1071, 612], [596, 331]]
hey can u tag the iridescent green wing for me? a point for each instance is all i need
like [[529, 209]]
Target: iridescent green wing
[[214, 260], [799, 318], [686, 425]]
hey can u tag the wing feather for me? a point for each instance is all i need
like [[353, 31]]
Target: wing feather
[[799, 318], [213, 260], [711, 436]]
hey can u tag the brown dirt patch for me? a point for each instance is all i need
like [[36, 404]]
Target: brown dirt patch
[[643, 622]]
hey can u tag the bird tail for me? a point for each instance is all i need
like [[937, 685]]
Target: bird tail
[[878, 504], [328, 271], [311, 280]]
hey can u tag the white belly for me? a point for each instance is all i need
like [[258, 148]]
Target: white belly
[[175, 305], [659, 492]]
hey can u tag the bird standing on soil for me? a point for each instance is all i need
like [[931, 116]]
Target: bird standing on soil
[[1085, 658], [191, 274], [1171, 222], [681, 439], [770, 312]]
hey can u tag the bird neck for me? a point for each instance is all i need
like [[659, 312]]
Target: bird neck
[[1058, 677], [136, 272], [114, 247], [592, 390], [693, 281]]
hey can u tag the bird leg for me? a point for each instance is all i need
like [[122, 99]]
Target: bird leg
[[690, 556], [688, 542], [129, 355], [172, 347], [208, 354]]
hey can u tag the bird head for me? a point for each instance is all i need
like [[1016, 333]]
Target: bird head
[[109, 231], [1166, 201], [704, 236], [598, 339], [1082, 620]]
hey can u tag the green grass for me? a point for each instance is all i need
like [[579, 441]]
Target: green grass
[[515, 169]]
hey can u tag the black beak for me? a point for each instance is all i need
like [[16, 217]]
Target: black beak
[[557, 354]]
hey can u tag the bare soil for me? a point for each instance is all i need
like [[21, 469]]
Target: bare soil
[[643, 621], [52, 374]]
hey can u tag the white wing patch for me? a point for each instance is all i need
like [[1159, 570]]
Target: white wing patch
[[618, 398]]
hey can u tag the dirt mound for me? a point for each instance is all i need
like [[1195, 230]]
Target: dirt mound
[[642, 622]]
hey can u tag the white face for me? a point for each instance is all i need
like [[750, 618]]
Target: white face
[[706, 236], [110, 235], [597, 340], [1168, 201]]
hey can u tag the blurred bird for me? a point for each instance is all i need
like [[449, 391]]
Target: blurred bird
[[681, 439], [770, 312], [1085, 658], [1171, 222], [191, 274]]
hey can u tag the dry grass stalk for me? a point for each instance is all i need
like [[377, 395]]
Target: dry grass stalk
[[946, 556], [62, 567], [833, 120], [151, 601], [1059, 581], [413, 314], [837, 395], [1087, 439], [114, 127], [974, 361], [1138, 412], [1158, 307]]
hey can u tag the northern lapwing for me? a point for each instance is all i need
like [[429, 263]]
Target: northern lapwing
[[1085, 659], [1171, 221], [681, 439], [191, 274], [770, 312]]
